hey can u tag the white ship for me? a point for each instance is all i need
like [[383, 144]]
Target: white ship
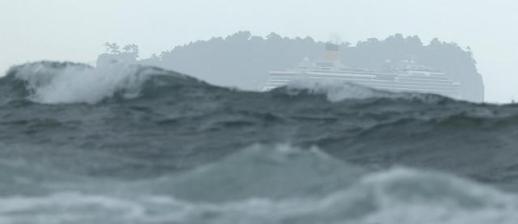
[[405, 76]]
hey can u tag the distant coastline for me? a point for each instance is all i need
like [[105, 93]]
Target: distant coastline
[[243, 60]]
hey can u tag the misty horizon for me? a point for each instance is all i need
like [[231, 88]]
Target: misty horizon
[[483, 26]]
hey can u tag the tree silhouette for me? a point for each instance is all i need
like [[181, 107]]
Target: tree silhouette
[[131, 49], [112, 48]]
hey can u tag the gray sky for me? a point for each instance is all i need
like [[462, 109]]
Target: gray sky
[[76, 29]]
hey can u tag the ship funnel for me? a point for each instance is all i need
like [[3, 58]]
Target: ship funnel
[[332, 52]]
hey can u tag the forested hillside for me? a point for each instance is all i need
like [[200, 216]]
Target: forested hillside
[[243, 60]]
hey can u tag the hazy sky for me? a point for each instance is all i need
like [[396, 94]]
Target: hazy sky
[[76, 29]]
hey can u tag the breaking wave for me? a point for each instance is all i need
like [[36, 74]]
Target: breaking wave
[[337, 91], [54, 83], [137, 144]]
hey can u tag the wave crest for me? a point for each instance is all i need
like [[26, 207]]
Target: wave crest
[[337, 91], [57, 83]]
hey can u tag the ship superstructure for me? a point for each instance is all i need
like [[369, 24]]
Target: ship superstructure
[[404, 76]]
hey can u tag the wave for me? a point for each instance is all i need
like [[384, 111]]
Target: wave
[[163, 121], [58, 83], [336, 91], [262, 178], [139, 144]]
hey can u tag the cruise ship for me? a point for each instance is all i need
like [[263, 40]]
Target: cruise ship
[[404, 76]]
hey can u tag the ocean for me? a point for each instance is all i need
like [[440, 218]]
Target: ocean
[[138, 144]]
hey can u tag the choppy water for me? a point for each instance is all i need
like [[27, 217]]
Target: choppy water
[[134, 144]]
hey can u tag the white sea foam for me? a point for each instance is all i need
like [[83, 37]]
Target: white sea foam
[[395, 196], [398, 196], [79, 84], [336, 91]]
